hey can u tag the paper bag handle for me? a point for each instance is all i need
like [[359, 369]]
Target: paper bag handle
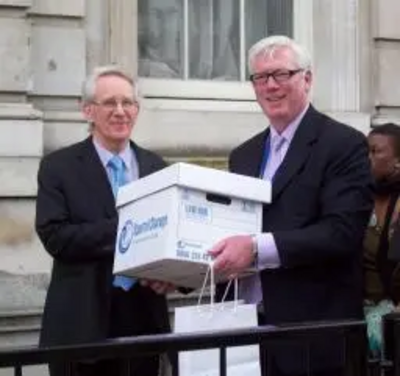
[[210, 272], [236, 290]]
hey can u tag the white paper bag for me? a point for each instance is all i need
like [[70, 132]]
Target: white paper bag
[[240, 361], [243, 360]]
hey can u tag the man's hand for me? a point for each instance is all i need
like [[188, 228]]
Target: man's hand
[[233, 255], [158, 286]]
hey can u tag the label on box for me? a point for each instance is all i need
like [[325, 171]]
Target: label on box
[[196, 212], [192, 251], [137, 232]]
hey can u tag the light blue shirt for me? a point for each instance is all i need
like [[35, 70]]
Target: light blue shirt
[[127, 155], [131, 172]]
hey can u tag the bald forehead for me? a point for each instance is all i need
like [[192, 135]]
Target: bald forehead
[[113, 85]]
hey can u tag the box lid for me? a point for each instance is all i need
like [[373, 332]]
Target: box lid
[[197, 177]]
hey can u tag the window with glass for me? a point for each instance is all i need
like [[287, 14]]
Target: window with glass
[[205, 40]]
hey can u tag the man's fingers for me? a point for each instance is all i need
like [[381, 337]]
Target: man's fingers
[[171, 287], [221, 264], [217, 249], [166, 287], [217, 253], [161, 287]]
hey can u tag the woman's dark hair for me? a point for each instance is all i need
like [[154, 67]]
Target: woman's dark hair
[[390, 130]]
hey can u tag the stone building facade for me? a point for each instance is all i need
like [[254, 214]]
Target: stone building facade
[[47, 47]]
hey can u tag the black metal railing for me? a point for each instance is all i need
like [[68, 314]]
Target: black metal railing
[[352, 332]]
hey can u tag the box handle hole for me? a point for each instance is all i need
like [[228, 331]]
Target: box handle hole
[[219, 199]]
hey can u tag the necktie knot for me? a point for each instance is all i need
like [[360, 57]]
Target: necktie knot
[[116, 163], [277, 143]]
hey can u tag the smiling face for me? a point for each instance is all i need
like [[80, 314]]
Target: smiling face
[[281, 101], [112, 112], [382, 153]]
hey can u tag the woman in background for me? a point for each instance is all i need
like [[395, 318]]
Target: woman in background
[[382, 275]]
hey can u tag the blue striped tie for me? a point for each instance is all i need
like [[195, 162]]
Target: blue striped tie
[[116, 169]]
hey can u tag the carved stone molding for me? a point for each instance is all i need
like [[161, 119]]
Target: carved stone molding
[[16, 3], [24, 120]]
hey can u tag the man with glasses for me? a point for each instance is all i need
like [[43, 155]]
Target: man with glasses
[[309, 252], [76, 221]]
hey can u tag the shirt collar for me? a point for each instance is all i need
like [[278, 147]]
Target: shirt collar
[[290, 130], [106, 155]]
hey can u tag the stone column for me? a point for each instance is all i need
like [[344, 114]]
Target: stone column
[[46, 47], [386, 39], [342, 56], [97, 34], [123, 32], [21, 141], [21, 147]]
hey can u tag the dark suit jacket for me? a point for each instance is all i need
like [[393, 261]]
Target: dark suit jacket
[[77, 221], [322, 200]]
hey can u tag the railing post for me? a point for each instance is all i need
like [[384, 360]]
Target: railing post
[[391, 342], [375, 367], [174, 361], [356, 352], [17, 371], [222, 361]]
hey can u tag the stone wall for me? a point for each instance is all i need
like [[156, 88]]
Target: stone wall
[[43, 60]]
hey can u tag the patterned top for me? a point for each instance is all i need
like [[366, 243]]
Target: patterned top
[[373, 284]]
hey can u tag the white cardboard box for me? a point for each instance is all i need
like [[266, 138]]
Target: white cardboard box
[[170, 219]]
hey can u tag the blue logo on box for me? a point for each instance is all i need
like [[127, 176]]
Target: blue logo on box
[[150, 224], [132, 230], [126, 236]]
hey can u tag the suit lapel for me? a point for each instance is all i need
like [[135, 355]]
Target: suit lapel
[[144, 167], [95, 176], [298, 153], [251, 164]]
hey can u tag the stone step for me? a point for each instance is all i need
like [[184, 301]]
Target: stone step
[[20, 321]]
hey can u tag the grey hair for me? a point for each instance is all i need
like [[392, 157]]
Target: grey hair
[[89, 85], [269, 45]]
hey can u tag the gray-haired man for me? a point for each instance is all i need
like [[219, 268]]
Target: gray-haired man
[[77, 221]]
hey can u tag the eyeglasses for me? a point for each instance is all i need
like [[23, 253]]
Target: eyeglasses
[[112, 104], [280, 76]]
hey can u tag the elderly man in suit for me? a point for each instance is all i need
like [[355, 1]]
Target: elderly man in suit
[[309, 252], [76, 220]]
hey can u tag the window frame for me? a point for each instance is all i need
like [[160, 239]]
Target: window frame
[[227, 90]]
